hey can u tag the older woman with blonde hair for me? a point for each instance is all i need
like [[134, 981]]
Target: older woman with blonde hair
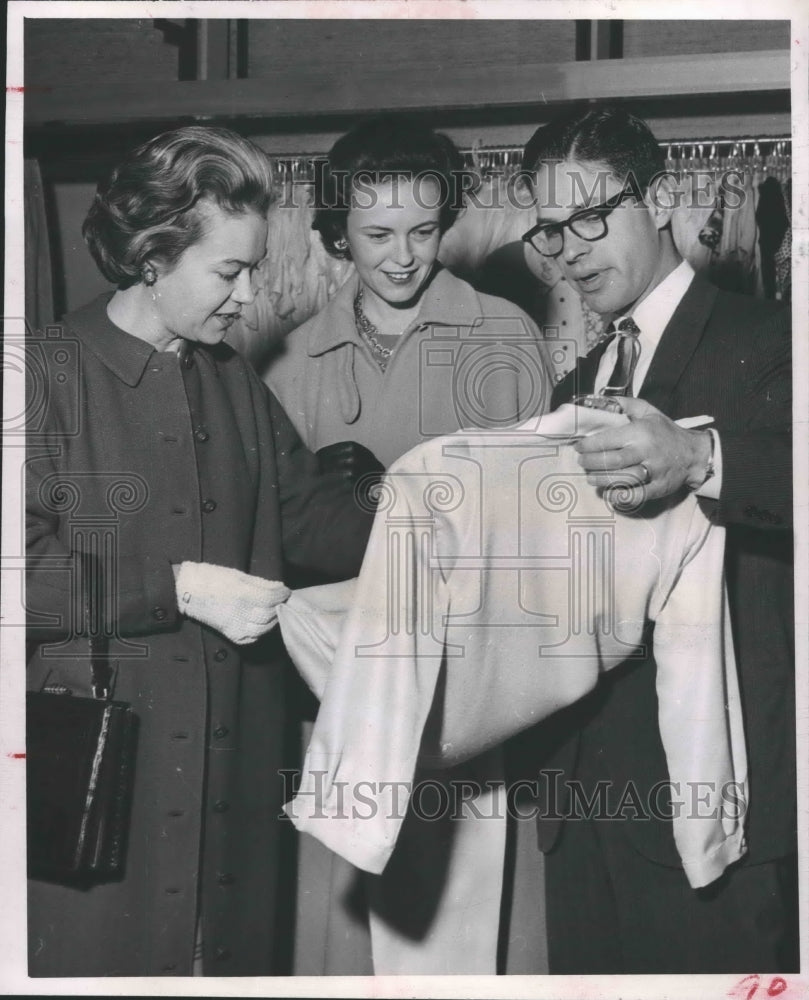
[[167, 440]]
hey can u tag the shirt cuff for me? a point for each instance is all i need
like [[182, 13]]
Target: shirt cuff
[[712, 486]]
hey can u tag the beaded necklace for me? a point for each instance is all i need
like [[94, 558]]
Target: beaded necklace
[[369, 334]]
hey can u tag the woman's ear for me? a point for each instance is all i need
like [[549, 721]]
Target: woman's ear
[[153, 269]]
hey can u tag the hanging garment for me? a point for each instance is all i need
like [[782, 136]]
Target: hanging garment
[[734, 266], [510, 586], [696, 223], [710, 235], [295, 281], [495, 214], [773, 222], [783, 256], [732, 235], [39, 311]]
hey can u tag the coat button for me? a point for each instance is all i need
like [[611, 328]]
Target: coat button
[[209, 506], [225, 878], [222, 954], [221, 732], [159, 614], [220, 654], [201, 434], [221, 806]]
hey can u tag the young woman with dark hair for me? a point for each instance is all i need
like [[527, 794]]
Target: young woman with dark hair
[[404, 352]]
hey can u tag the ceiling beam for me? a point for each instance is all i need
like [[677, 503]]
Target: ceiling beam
[[282, 94]]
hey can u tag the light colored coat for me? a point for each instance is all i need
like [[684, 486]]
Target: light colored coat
[[469, 360]]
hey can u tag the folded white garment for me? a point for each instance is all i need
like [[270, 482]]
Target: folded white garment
[[312, 627], [496, 586]]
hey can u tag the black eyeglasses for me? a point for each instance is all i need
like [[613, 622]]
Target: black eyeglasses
[[589, 224]]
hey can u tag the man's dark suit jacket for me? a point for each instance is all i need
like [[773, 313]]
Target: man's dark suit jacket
[[728, 356]]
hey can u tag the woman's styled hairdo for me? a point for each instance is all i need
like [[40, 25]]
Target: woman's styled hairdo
[[606, 134], [148, 209], [385, 145]]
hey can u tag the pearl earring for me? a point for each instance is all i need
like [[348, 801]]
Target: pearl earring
[[149, 275], [341, 244]]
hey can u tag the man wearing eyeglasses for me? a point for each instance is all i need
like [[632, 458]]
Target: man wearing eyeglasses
[[617, 899]]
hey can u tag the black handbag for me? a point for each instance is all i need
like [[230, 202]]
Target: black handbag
[[80, 758]]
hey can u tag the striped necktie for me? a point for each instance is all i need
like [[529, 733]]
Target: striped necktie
[[620, 381]]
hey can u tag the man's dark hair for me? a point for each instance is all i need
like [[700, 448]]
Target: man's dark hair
[[604, 134]]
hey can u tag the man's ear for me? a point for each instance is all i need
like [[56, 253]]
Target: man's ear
[[662, 197]]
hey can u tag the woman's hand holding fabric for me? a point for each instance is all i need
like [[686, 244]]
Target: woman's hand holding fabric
[[240, 606]]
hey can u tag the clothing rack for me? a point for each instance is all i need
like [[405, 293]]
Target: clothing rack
[[299, 168], [765, 152], [736, 143], [761, 157]]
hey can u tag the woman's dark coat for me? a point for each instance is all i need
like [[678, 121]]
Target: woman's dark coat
[[170, 458]]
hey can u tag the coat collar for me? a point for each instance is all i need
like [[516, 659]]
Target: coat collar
[[448, 301], [126, 356]]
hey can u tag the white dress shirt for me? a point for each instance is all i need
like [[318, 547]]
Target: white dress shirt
[[652, 316]]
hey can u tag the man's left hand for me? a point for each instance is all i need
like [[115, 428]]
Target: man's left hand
[[651, 453]]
